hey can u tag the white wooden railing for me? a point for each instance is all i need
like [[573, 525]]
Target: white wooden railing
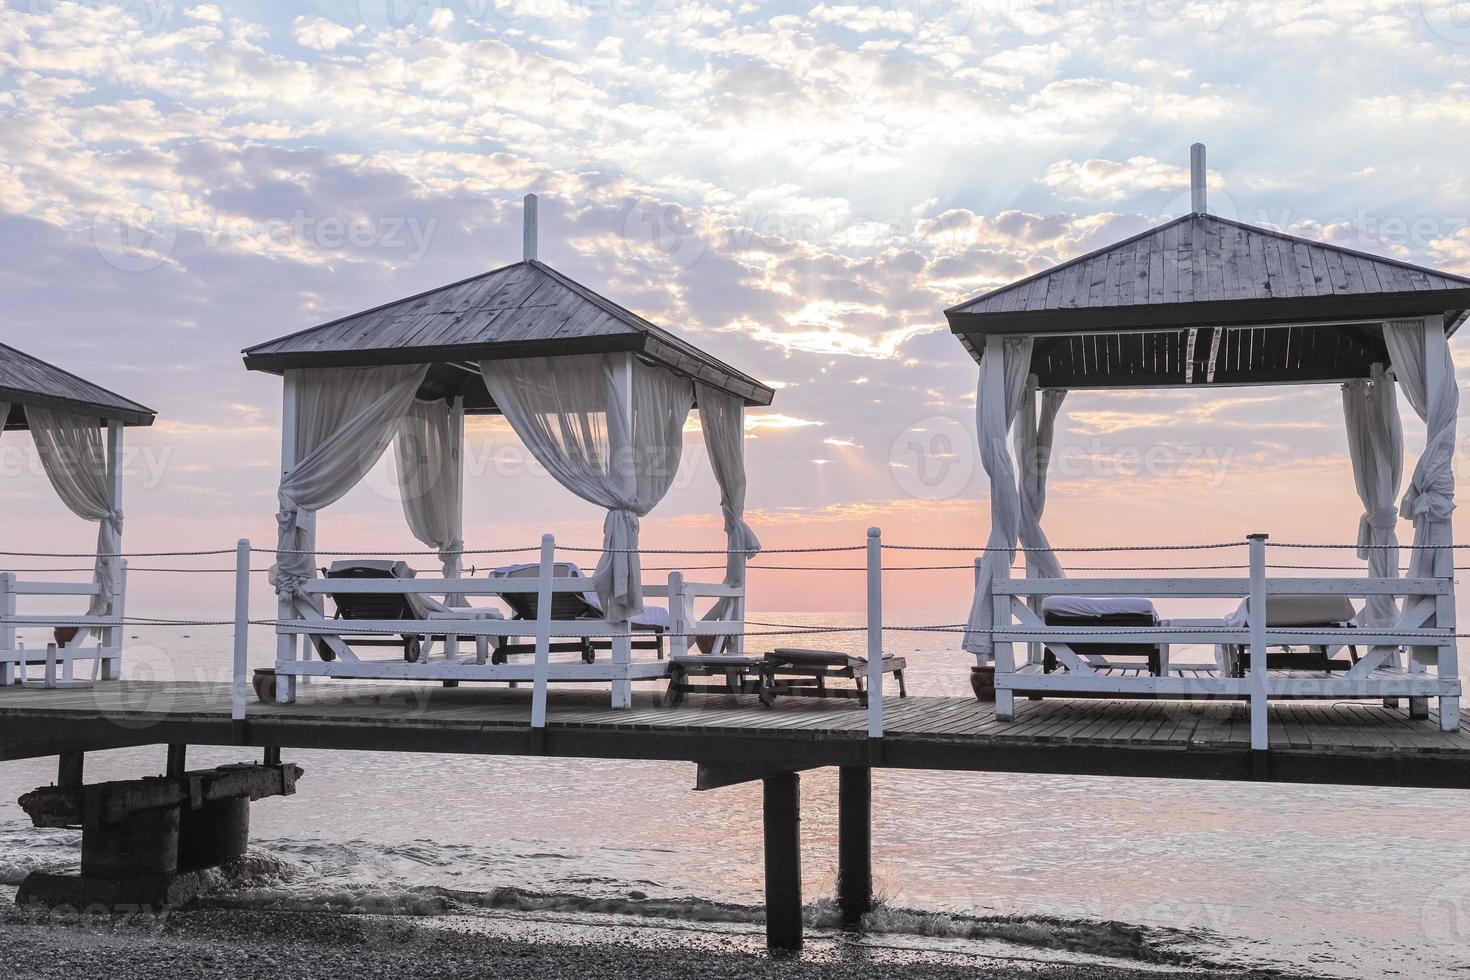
[[104, 632], [1426, 624], [308, 624]]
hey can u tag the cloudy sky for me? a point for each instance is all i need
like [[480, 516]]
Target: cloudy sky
[[800, 189]]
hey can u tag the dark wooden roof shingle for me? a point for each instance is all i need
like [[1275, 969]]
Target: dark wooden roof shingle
[[1206, 263], [526, 309], [27, 380]]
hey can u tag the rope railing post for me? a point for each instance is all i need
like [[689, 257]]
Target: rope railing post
[[242, 629], [7, 628], [542, 672], [1257, 612], [678, 616], [875, 633]]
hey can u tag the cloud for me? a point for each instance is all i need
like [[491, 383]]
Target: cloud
[[319, 33], [1114, 180]]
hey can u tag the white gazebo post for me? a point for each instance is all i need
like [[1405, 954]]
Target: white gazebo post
[[1447, 661], [111, 637], [285, 602], [620, 440], [454, 564]]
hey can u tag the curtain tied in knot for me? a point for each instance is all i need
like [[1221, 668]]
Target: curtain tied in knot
[[1435, 499], [292, 568], [619, 573], [1382, 519], [451, 550]]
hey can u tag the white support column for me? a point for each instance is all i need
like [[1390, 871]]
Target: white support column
[[621, 443], [111, 637], [119, 609], [1005, 659], [542, 670], [993, 406], [875, 633], [1257, 613], [736, 644], [286, 644], [1433, 328], [454, 567], [1447, 661], [8, 647], [242, 630], [678, 616]]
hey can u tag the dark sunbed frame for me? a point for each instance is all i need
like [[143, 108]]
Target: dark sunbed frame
[[1316, 656], [564, 606], [1149, 650], [784, 672], [370, 605]]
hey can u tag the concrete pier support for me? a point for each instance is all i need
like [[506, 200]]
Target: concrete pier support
[[144, 839], [782, 811], [214, 834], [854, 843], [143, 843]]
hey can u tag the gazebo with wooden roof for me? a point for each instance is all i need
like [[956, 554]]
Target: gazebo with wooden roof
[[1206, 302], [77, 427], [597, 393]]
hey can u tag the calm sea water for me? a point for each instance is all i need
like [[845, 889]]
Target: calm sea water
[[1345, 882]]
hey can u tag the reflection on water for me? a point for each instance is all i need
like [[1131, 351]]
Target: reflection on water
[[1344, 881]]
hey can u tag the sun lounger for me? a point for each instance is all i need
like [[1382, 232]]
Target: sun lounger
[[1086, 612], [797, 672], [652, 623], [386, 605], [737, 674], [1333, 612]]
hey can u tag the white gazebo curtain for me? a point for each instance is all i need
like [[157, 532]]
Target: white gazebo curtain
[[722, 417], [609, 428], [75, 461], [1005, 502], [1033, 455], [429, 483], [345, 418], [1376, 448], [1420, 354]]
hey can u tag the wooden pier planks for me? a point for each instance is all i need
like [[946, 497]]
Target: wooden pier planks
[[1105, 736]]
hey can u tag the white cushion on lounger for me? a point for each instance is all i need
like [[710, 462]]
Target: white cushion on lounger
[[1300, 610], [1092, 607]]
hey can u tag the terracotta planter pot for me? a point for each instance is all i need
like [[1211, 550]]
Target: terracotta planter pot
[[982, 682], [65, 634], [264, 683]]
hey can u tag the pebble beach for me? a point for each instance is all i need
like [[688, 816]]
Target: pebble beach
[[247, 944]]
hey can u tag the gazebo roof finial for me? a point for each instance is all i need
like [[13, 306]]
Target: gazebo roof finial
[[1197, 204], [528, 229]]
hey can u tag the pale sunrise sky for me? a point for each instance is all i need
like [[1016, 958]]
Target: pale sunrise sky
[[799, 189]]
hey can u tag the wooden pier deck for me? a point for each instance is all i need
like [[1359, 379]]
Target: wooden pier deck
[[1355, 743]]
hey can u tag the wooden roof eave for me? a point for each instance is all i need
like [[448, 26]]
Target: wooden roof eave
[[656, 346], [19, 399], [1451, 303]]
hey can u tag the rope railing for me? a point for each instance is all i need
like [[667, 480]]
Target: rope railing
[[977, 550], [810, 550]]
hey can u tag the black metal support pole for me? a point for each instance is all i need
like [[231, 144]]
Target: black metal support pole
[[178, 761], [69, 769], [854, 842], [782, 806]]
